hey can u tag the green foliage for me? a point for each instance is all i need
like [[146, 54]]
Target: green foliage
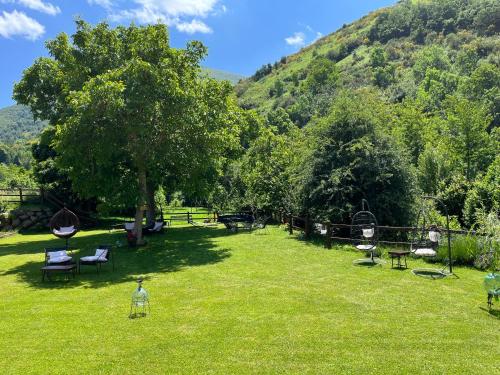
[[266, 171], [321, 73], [484, 194], [432, 57], [452, 192], [350, 159], [488, 224], [465, 250], [443, 16], [13, 176], [280, 121], [484, 85], [278, 89], [467, 139], [176, 200], [131, 113], [383, 76], [436, 86], [17, 124]]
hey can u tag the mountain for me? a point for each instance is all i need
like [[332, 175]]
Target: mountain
[[17, 124], [222, 75], [390, 50]]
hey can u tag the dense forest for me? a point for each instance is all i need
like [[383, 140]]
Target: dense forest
[[403, 102]]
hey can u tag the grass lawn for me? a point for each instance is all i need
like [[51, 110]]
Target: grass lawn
[[237, 304]]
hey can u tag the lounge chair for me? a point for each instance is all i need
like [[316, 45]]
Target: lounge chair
[[103, 255]]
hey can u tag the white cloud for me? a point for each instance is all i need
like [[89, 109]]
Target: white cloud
[[38, 5], [106, 4], [171, 12], [298, 39], [302, 38], [195, 26], [18, 23]]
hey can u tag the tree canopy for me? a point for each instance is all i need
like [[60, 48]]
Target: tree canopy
[[131, 113]]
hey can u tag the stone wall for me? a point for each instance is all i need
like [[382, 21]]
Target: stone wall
[[24, 218]]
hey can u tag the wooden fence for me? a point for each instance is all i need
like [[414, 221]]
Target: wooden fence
[[21, 195], [307, 225]]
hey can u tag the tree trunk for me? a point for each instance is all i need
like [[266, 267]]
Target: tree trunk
[[150, 197], [140, 206]]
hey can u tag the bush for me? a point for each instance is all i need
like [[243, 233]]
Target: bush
[[464, 250]]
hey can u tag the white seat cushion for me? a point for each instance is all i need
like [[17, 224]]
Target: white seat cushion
[[58, 257], [62, 231], [365, 247], [90, 258], [100, 256], [425, 252]]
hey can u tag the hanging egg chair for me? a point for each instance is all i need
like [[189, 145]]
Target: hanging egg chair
[[426, 240], [64, 224], [364, 235]]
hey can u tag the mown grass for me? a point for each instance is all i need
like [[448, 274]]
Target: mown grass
[[239, 304]]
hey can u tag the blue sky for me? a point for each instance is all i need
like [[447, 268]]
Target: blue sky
[[241, 35]]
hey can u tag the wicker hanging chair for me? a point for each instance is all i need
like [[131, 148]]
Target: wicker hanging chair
[[64, 224], [364, 234]]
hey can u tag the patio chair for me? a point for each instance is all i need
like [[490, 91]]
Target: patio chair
[[103, 255], [57, 256]]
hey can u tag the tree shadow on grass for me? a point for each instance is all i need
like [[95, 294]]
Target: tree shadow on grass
[[172, 251]]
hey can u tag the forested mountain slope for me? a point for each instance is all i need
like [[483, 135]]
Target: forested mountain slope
[[403, 102], [390, 49], [16, 123]]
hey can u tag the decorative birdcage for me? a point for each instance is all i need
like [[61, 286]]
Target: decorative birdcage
[[139, 306]]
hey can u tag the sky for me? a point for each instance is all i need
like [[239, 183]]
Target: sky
[[241, 35]]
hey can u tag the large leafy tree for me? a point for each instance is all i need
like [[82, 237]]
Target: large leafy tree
[[466, 137], [131, 113], [350, 158]]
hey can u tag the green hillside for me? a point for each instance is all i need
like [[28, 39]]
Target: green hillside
[[17, 124], [222, 75], [454, 36]]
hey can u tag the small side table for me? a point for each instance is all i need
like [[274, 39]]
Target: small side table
[[398, 254]]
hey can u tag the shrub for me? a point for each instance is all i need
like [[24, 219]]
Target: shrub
[[464, 249]]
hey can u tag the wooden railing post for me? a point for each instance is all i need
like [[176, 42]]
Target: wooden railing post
[[290, 224], [21, 195], [188, 217], [328, 237]]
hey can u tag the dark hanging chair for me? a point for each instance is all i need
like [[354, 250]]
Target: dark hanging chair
[[364, 234], [64, 224]]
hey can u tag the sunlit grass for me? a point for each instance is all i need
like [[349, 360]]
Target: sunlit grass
[[239, 303]]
